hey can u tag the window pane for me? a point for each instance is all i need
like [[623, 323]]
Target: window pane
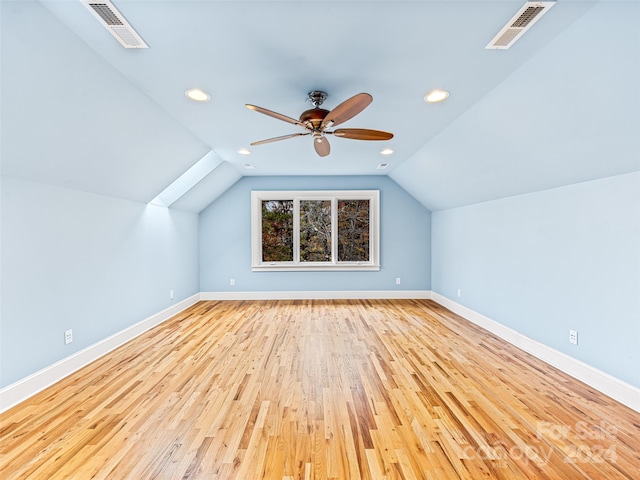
[[277, 230], [315, 230], [353, 230]]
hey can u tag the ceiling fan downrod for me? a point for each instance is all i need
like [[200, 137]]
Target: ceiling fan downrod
[[313, 117]]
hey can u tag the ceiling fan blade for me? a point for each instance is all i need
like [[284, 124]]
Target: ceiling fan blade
[[362, 134], [277, 139], [279, 116], [347, 109], [321, 144]]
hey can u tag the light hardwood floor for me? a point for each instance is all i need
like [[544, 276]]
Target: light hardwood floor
[[319, 390]]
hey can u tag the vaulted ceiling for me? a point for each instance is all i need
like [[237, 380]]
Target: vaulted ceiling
[[561, 106]]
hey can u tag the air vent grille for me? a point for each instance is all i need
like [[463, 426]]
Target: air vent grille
[[527, 17], [506, 38], [529, 14], [115, 23], [105, 13]]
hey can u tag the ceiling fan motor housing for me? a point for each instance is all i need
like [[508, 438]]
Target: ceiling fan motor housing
[[314, 117]]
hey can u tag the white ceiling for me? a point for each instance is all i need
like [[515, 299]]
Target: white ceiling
[[81, 111]]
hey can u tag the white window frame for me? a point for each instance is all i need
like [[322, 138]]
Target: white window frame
[[257, 197]]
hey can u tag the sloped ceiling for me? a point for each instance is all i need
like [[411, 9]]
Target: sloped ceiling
[[80, 111], [570, 114]]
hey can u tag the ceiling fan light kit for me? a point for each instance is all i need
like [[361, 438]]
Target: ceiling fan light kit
[[316, 121]]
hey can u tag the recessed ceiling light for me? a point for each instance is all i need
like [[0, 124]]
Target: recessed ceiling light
[[436, 96], [197, 95], [244, 151], [386, 151]]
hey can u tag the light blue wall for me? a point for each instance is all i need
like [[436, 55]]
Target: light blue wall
[[540, 263], [547, 262], [94, 264], [225, 240]]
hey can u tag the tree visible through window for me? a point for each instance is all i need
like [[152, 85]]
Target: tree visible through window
[[315, 230], [353, 230], [277, 230]]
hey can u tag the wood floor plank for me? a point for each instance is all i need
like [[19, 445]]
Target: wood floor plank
[[331, 389]]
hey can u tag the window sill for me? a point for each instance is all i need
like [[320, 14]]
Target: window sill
[[349, 267]]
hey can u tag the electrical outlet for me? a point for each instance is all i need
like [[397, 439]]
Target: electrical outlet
[[232, 282], [398, 280], [573, 337], [68, 337], [459, 293], [170, 294]]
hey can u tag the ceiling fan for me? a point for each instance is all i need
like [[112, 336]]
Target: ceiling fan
[[317, 122]]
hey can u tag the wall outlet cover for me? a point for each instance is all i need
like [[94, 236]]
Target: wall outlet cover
[[573, 337]]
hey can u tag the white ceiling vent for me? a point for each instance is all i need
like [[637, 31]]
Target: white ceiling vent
[[522, 21], [113, 21]]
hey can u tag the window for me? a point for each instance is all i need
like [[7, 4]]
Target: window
[[315, 230]]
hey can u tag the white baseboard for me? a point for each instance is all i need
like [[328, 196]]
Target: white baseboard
[[623, 392], [318, 295], [24, 388]]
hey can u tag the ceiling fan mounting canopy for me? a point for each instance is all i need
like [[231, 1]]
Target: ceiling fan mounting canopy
[[316, 121], [317, 97]]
